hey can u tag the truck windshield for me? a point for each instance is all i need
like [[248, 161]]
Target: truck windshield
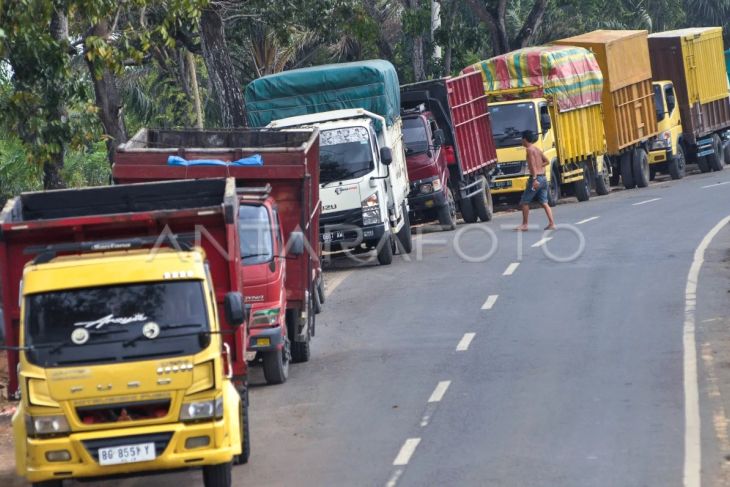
[[254, 230], [415, 135], [509, 121], [115, 323], [344, 153], [659, 103]]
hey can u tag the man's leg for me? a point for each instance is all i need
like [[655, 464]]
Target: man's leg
[[549, 213], [525, 217]]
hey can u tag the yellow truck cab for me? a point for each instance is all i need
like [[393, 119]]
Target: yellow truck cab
[[121, 369], [666, 154], [509, 119]]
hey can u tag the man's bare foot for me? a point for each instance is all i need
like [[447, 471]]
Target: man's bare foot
[[550, 227], [521, 228]]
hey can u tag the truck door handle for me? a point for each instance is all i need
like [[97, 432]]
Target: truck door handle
[[102, 387]]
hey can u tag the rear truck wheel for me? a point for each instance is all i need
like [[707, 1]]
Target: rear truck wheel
[[482, 202], [627, 171], [300, 348], [320, 289], [703, 164], [217, 475], [447, 213], [582, 188], [716, 160], [640, 164], [245, 437], [385, 252], [726, 151], [405, 237], [652, 173], [603, 180], [615, 178], [468, 212], [317, 301], [276, 364], [554, 186], [677, 164]]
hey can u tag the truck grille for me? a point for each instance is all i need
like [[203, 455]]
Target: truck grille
[[510, 168], [346, 217], [133, 411], [161, 440]]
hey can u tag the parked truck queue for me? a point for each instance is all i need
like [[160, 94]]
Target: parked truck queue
[[133, 312]]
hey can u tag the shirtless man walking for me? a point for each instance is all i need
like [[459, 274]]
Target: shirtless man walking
[[537, 184]]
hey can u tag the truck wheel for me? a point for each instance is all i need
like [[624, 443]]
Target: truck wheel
[[447, 213], [553, 186], [276, 364], [320, 289], [385, 253], [726, 152], [652, 173], [677, 165], [217, 475], [717, 158], [640, 164], [468, 213], [627, 170], [317, 301], [582, 188], [603, 180], [300, 350], [615, 171], [482, 202], [245, 437], [405, 237]]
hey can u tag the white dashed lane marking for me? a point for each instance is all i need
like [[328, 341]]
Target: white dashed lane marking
[[646, 201], [715, 184], [489, 303], [440, 390], [588, 220], [542, 242], [465, 341], [406, 452], [511, 269]]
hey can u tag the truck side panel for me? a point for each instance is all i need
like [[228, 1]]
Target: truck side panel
[[629, 115], [579, 133], [472, 127]]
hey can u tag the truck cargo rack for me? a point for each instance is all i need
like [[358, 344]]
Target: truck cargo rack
[[254, 192]]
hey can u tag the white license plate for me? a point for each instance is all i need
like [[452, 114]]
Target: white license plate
[[142, 452], [333, 236], [501, 184]]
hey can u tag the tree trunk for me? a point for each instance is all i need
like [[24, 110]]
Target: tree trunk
[[190, 60], [52, 167], [495, 20], [419, 70], [108, 98], [220, 69]]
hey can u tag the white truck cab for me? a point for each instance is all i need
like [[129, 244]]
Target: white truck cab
[[363, 181]]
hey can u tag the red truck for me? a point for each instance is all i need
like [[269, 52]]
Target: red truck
[[450, 151], [278, 188], [71, 222]]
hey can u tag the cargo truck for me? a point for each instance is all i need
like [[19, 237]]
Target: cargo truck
[[629, 113], [667, 154], [449, 149], [276, 176], [363, 174], [554, 92], [692, 59], [102, 280]]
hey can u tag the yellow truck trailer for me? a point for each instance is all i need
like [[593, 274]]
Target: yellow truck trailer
[[554, 92]]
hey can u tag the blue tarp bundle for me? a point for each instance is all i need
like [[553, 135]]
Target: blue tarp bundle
[[254, 160]]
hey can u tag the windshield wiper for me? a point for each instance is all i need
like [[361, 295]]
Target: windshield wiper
[[348, 175], [247, 256], [55, 348], [139, 337]]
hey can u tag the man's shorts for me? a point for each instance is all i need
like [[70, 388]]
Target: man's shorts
[[541, 193]]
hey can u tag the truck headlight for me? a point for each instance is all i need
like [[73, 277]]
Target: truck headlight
[[371, 210], [46, 425], [663, 141], [436, 184], [194, 411], [266, 317]]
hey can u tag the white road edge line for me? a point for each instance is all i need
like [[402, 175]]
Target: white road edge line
[[465, 341], [692, 422], [588, 220], [646, 201], [440, 390], [333, 281], [541, 242], [406, 452], [511, 269], [489, 303], [715, 184]]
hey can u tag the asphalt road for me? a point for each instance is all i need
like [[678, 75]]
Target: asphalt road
[[519, 369]]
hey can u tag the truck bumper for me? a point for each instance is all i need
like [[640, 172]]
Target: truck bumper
[[658, 156], [334, 238], [169, 440], [511, 185], [265, 339], [419, 203]]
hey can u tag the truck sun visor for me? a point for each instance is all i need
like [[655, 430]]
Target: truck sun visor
[[254, 160]]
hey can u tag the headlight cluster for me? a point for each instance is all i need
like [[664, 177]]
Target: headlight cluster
[[46, 425], [195, 411], [663, 141], [431, 186], [371, 210], [266, 317]]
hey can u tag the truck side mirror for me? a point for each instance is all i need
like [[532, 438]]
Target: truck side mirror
[[386, 155], [438, 137], [296, 243], [545, 121], [234, 309]]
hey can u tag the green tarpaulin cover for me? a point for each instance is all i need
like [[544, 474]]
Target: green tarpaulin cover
[[371, 85]]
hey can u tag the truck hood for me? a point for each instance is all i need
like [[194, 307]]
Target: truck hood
[[339, 197], [420, 166], [511, 154]]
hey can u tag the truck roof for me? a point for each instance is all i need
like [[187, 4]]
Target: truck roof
[[689, 31], [325, 117], [604, 36]]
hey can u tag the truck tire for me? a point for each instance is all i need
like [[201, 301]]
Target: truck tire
[[627, 170], [582, 188], [640, 165], [320, 289], [726, 152], [468, 213], [300, 350], [447, 213], [276, 364], [716, 160], [217, 475], [553, 186], [603, 180], [677, 165], [242, 459], [615, 171], [317, 301], [385, 253], [405, 237], [482, 202]]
